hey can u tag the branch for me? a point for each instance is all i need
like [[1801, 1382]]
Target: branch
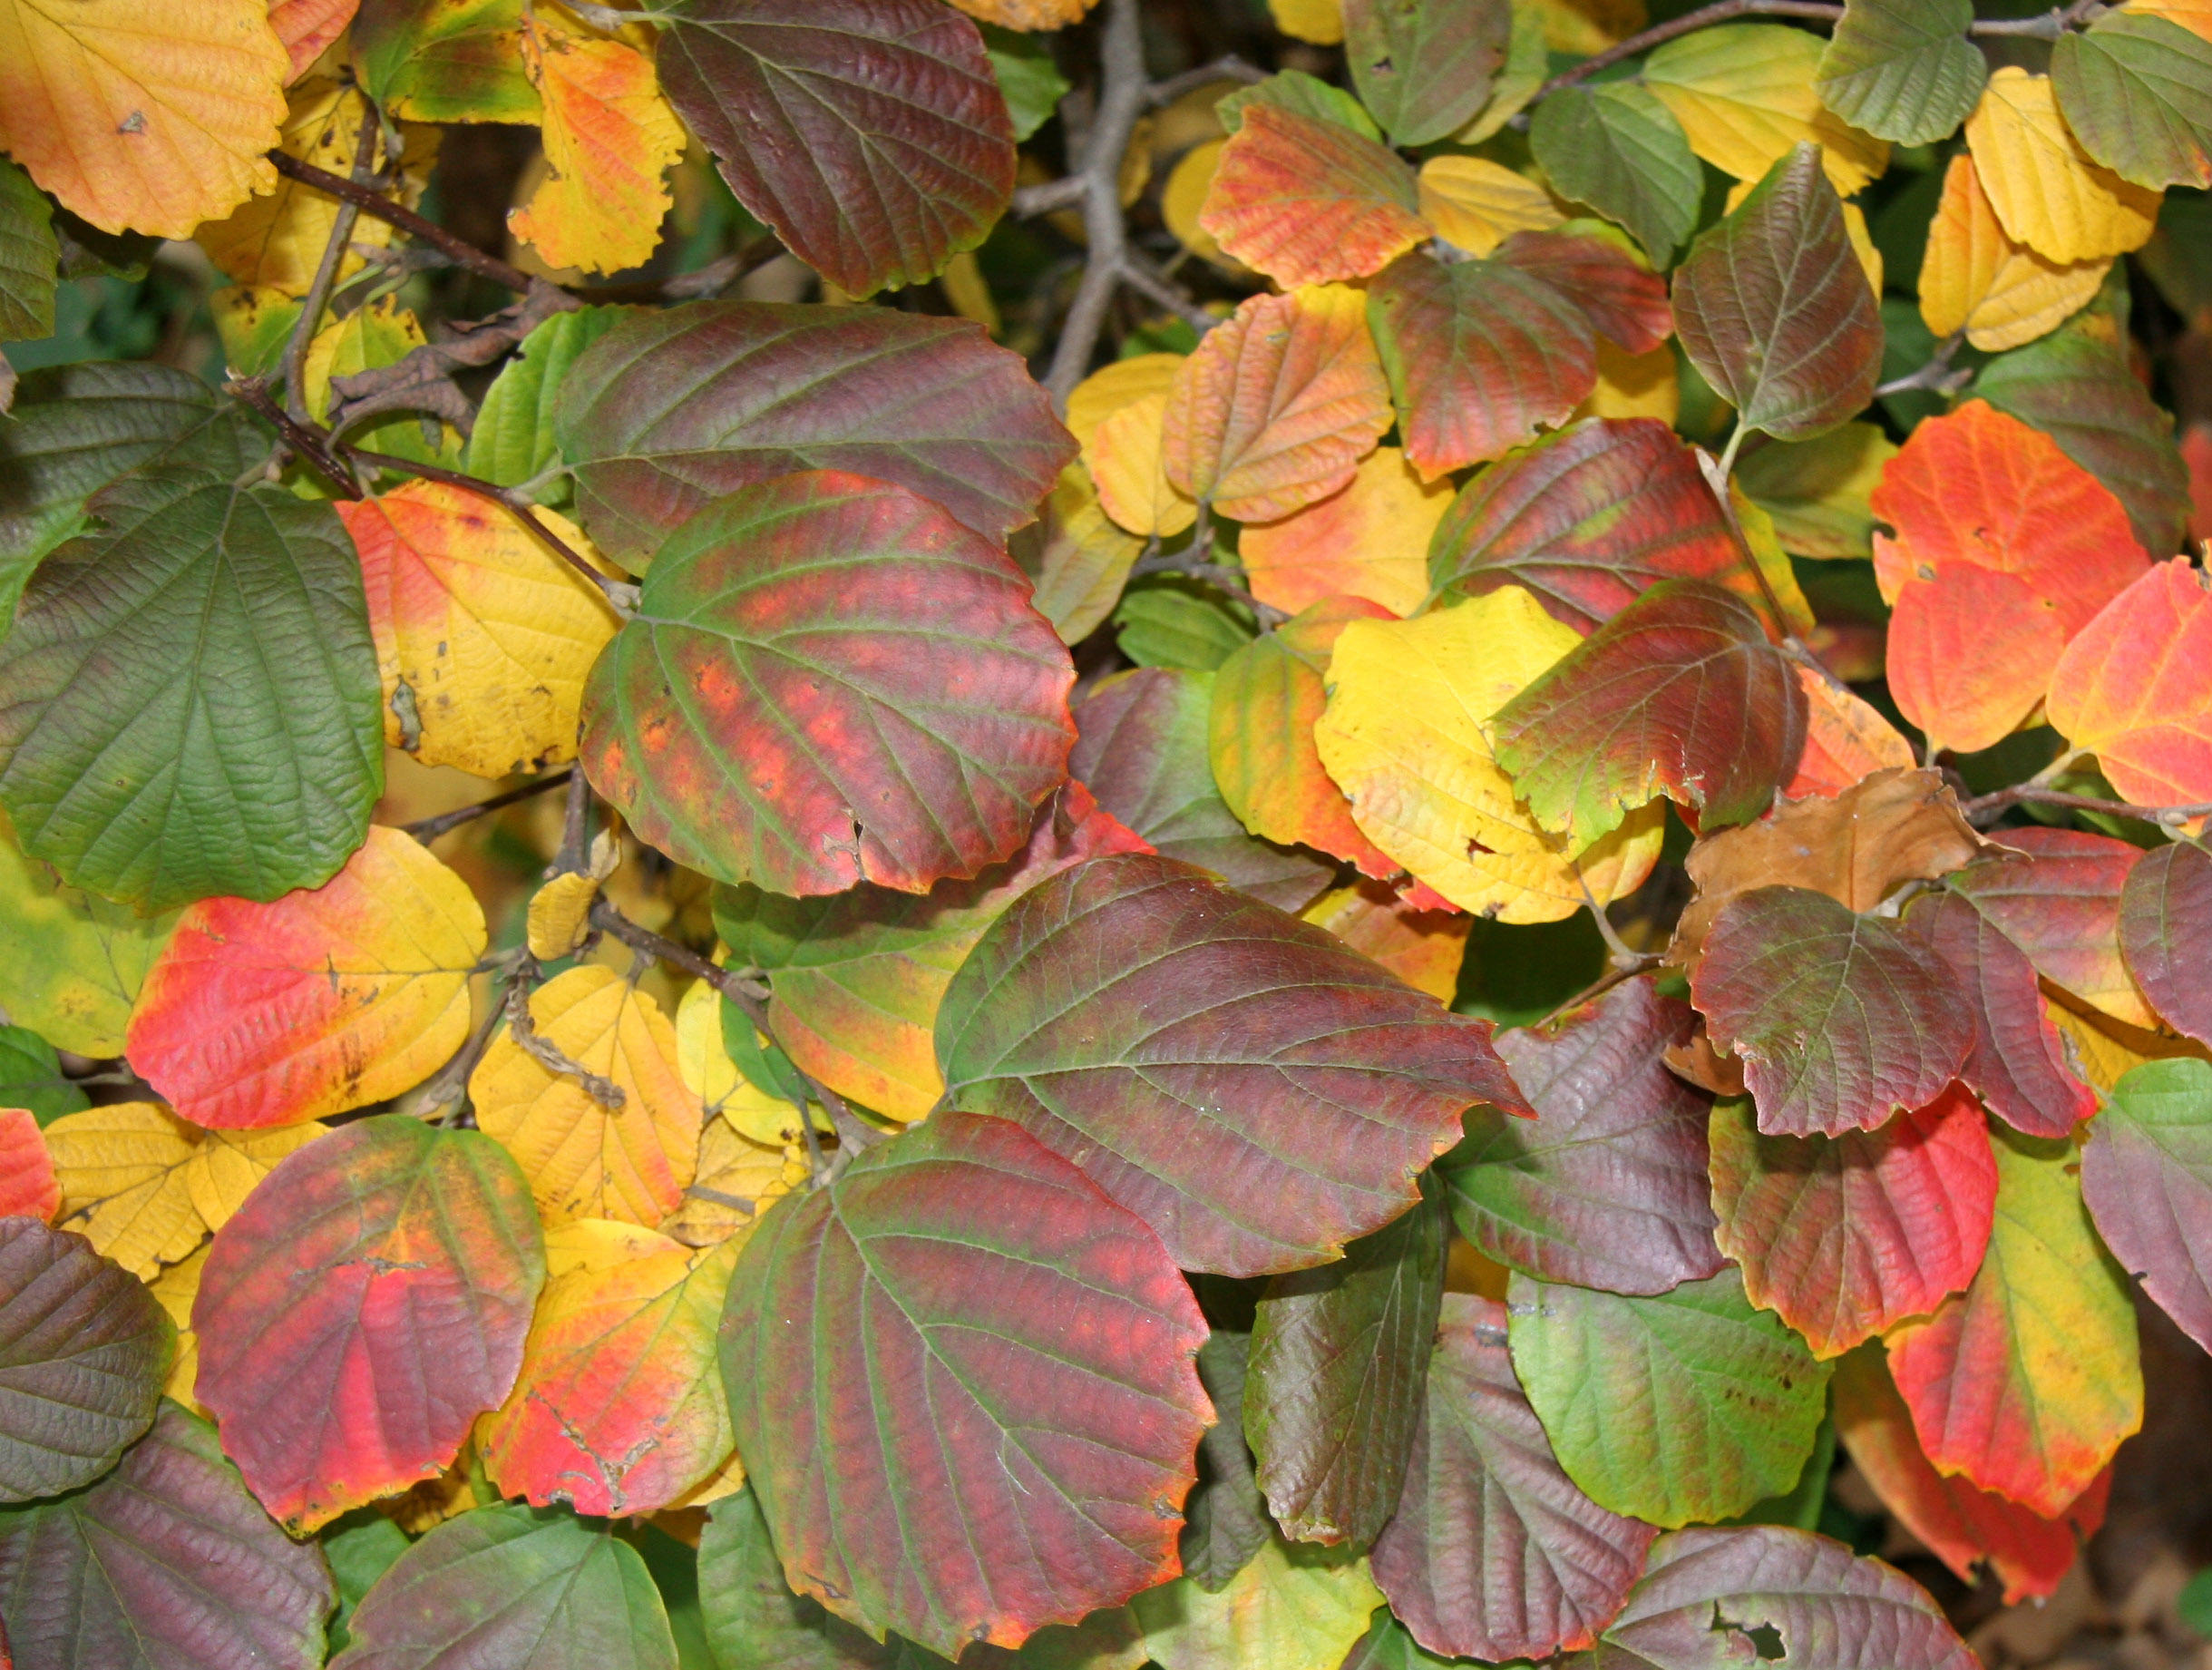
[[1984, 808], [1228, 68], [294, 364], [1121, 102], [1936, 375], [1141, 276], [303, 439], [428, 829], [379, 206]]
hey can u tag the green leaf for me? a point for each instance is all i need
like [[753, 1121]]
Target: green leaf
[[1294, 1606], [1388, 1644], [458, 62], [1425, 66], [1619, 150], [360, 1547], [31, 1076], [513, 442], [166, 1564], [2147, 1176], [509, 1588], [194, 706], [1338, 1357], [28, 255], [1171, 620], [1903, 70], [1687, 1405], [1302, 94], [1030, 79], [1775, 310], [1224, 1520], [1816, 491], [2138, 94], [71, 962], [1527, 68]]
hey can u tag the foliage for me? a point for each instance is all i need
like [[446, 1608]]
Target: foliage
[[1050, 856]]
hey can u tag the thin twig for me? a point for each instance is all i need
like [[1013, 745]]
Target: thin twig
[[549, 1054], [1599, 987], [1121, 102], [422, 380], [1937, 375], [1064, 192], [1985, 809], [428, 829], [451, 1083], [302, 438], [294, 364], [1141, 276], [1228, 68], [575, 818], [375, 205]]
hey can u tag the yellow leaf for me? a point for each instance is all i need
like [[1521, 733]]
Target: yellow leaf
[[2104, 1046], [596, 1244], [1477, 204], [175, 1289], [1367, 539], [275, 242], [1404, 737], [1126, 461], [1855, 229], [557, 924], [71, 962], [1744, 94], [969, 292], [2043, 188], [150, 119], [124, 1188], [727, 1480], [1634, 385], [737, 1178], [1111, 387], [1085, 559], [1027, 14], [611, 138], [1422, 947], [483, 637], [227, 1165], [1320, 22], [381, 334], [1976, 280], [1184, 194], [700, 1056], [1586, 26], [2194, 15], [584, 1159]]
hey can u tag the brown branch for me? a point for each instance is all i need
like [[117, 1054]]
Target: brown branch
[[1121, 102], [300, 437], [1141, 276], [294, 364], [382, 207], [428, 829], [1983, 809]]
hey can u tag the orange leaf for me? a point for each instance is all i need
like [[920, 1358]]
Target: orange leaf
[[323, 999], [1305, 201], [28, 1184], [1845, 740], [1278, 404], [1422, 947], [1368, 540], [2135, 688], [306, 26]]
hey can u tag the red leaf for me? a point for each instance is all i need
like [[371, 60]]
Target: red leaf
[[2165, 930], [1841, 1237], [1256, 1091], [2058, 899], [1586, 519], [1599, 271], [1841, 1020], [2135, 688], [1307, 201], [27, 1184], [964, 1389], [363, 1308], [870, 134], [1494, 1553], [1481, 356], [833, 681]]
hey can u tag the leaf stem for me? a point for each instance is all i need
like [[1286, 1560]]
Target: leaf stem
[[428, 829]]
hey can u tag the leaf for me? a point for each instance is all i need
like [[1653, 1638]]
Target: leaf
[[1845, 740], [1369, 539], [2080, 393], [1711, 1596], [2045, 190], [969, 1247], [1587, 520], [122, 1170], [857, 978], [227, 1166], [619, 1407], [1126, 460], [1841, 1020], [671, 411], [28, 254], [1687, 1405], [1333, 1391], [2137, 93], [517, 1587], [460, 61], [1678, 694], [366, 1305], [581, 1158], [2004, 549], [1169, 620], [1424, 66], [1902, 70], [1422, 945], [2018, 1065], [2134, 687], [1390, 1646], [1843, 1236], [610, 141], [1963, 1525], [1474, 204], [28, 1184], [1600, 271], [1618, 149], [1774, 310], [1607, 1188], [235, 740], [1143, 747], [2147, 1179], [1818, 490], [1224, 1520], [1480, 357], [154, 131], [2028, 1381], [1084, 562], [1494, 1552], [771, 676], [2165, 916], [870, 134], [1030, 79], [1302, 95], [167, 1564], [267, 1014], [1310, 201], [513, 442], [1744, 94], [1268, 695], [1202, 1089], [1407, 735], [83, 1352], [1975, 280], [1278, 404], [2056, 895], [381, 334], [71, 962], [2109, 1050], [306, 26], [1293, 1607]]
